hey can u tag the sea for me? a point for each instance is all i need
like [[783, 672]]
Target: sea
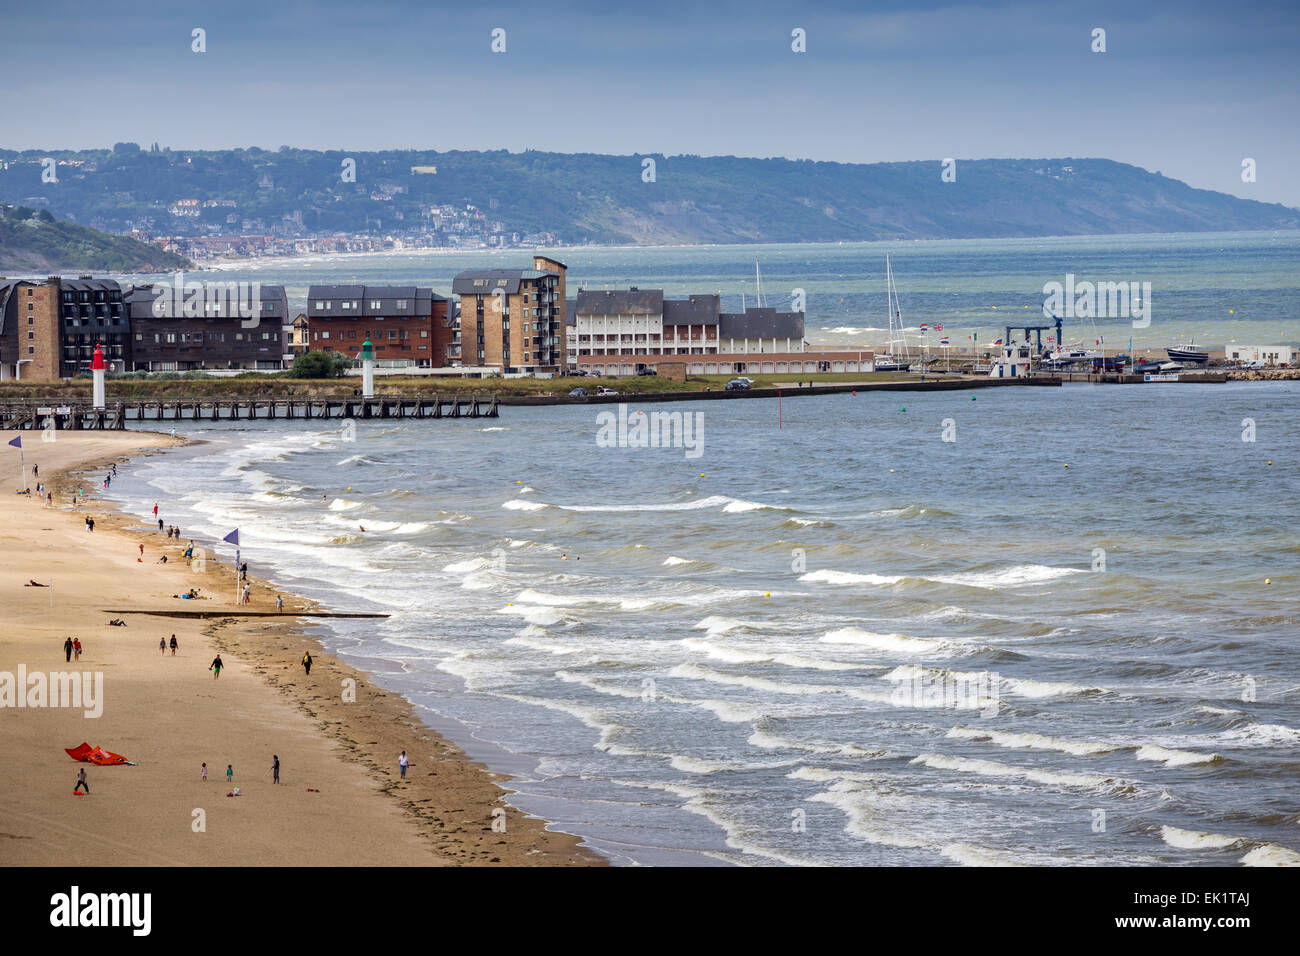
[[1016, 626]]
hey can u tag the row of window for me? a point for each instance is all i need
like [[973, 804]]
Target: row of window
[[352, 334], [353, 305], [198, 337]]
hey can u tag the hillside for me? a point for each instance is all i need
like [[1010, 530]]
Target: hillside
[[466, 196], [36, 242]]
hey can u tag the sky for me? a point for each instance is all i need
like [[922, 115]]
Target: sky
[[1187, 88]]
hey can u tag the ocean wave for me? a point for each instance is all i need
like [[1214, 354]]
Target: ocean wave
[[672, 560], [541, 616], [1174, 758], [345, 504], [828, 576], [1261, 735], [968, 854], [990, 768], [769, 741], [891, 643], [1270, 854], [1017, 576], [518, 504], [695, 672], [1196, 840], [1032, 741]]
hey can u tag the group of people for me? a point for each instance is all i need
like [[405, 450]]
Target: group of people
[[162, 645], [72, 647]]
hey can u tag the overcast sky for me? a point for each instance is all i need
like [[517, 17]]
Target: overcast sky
[[1187, 88]]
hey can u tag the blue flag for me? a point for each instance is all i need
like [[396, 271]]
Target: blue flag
[[233, 537], [17, 442]]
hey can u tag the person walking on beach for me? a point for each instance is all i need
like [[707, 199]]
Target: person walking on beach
[[141, 558], [275, 768], [155, 509], [36, 471], [81, 781], [76, 648], [306, 663], [247, 596], [67, 650], [401, 763], [216, 666], [230, 773], [279, 603], [203, 773], [174, 645], [162, 645], [243, 571], [90, 525], [160, 524]]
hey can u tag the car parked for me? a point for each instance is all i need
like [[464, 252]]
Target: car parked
[[603, 391], [578, 393], [739, 385]]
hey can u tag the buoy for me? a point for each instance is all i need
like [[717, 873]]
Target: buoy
[[972, 398], [855, 392], [1270, 463], [1268, 580], [904, 408], [767, 594], [891, 471], [518, 482], [349, 487], [701, 474], [1067, 466]]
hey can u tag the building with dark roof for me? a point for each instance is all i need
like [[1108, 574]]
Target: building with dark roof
[[407, 325], [49, 328], [641, 322], [207, 325], [513, 320]]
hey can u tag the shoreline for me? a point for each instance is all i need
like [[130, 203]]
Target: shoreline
[[339, 755]]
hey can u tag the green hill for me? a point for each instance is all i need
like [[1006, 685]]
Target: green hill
[[603, 199], [34, 241]]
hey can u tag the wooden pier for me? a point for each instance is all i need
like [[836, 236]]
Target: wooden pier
[[81, 416]]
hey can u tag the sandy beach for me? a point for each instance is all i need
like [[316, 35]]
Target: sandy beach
[[340, 801]]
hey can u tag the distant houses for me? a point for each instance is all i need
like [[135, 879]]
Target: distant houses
[[515, 321]]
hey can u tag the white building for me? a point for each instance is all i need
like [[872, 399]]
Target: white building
[[1272, 354]]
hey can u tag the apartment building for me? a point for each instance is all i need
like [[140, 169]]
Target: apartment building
[[49, 328], [407, 325], [513, 320], [170, 334]]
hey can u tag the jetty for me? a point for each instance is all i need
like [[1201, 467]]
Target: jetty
[[81, 416]]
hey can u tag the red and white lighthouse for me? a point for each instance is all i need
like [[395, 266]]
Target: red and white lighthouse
[[97, 369]]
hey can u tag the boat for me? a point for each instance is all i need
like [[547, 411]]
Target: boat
[[1069, 354], [893, 361], [1191, 353]]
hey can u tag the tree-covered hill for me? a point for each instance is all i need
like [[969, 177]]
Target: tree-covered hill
[[605, 199], [34, 241]]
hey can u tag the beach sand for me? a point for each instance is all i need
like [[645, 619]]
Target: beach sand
[[169, 715]]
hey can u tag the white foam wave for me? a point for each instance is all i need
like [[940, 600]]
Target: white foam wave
[[1032, 741], [1197, 840], [990, 768], [848, 577], [1174, 758]]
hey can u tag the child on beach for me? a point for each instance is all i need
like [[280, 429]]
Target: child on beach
[[275, 768], [230, 773], [402, 762], [76, 648], [81, 781], [216, 666], [203, 772], [141, 558], [279, 603], [162, 645]]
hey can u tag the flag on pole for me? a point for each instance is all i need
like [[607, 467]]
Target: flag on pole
[[17, 442], [232, 538], [923, 328], [944, 340], [938, 327]]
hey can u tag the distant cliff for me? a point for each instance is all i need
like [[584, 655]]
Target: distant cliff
[[36, 242], [578, 198]]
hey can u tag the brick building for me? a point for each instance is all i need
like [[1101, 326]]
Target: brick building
[[406, 324], [513, 319], [49, 328]]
